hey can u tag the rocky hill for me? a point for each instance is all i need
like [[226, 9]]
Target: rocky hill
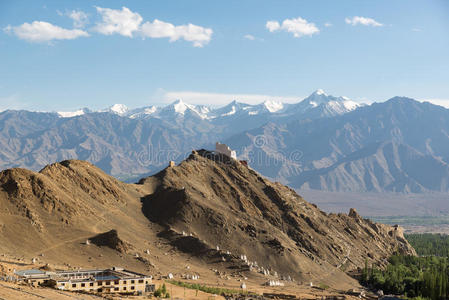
[[210, 215], [229, 206], [62, 200]]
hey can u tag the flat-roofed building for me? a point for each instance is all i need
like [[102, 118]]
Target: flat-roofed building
[[224, 149], [114, 280], [33, 276]]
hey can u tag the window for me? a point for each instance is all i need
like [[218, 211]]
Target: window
[[124, 288], [140, 280], [124, 281], [132, 281], [116, 289], [74, 285], [116, 282], [91, 284], [108, 282], [83, 285], [132, 288]]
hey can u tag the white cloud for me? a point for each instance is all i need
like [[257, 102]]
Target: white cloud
[[116, 21], [272, 26], [299, 27], [222, 99], [417, 29], [40, 31], [79, 18], [249, 37], [158, 29], [113, 21], [127, 23], [328, 24], [363, 21], [200, 36]]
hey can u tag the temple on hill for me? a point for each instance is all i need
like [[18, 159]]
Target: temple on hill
[[224, 149]]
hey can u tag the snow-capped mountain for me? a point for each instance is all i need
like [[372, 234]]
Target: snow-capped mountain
[[179, 108], [267, 107], [230, 109], [242, 109], [273, 106], [143, 112], [400, 145], [318, 104], [321, 104], [119, 109], [71, 114]]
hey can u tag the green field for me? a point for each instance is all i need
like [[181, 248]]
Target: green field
[[413, 220]]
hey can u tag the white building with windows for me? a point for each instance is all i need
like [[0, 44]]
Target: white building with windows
[[114, 280]]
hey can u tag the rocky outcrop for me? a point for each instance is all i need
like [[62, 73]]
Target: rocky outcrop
[[111, 239]]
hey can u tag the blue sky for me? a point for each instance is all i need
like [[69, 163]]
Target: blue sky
[[62, 55]]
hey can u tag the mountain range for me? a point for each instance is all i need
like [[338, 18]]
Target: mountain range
[[322, 142], [400, 145], [318, 104]]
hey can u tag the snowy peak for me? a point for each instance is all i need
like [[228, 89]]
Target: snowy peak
[[318, 103], [327, 105], [119, 109], [232, 108], [237, 105], [203, 111], [243, 109], [319, 92], [142, 113], [70, 114], [350, 105], [180, 108], [273, 106], [319, 97]]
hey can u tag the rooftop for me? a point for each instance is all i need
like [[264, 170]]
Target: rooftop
[[108, 277], [29, 272], [102, 274]]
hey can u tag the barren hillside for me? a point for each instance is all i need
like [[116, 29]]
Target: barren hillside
[[210, 216], [228, 206]]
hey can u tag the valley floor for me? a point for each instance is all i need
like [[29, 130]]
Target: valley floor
[[416, 213]]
